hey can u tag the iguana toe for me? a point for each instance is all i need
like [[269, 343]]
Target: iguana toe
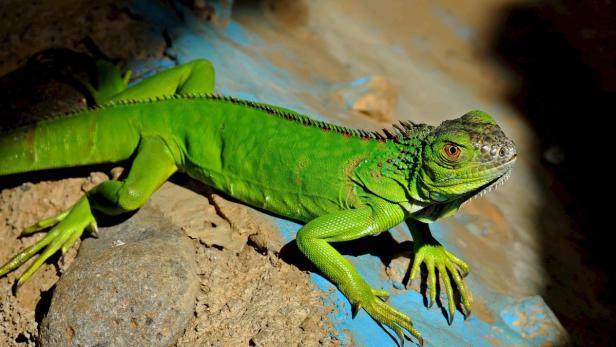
[[442, 264], [388, 316], [45, 223], [67, 228]]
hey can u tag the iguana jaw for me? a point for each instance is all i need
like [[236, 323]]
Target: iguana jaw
[[475, 184], [482, 176], [495, 183]]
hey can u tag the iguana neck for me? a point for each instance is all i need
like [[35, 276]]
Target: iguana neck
[[394, 173], [405, 165]]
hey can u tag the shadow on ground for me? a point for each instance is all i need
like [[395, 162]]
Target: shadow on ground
[[564, 56]]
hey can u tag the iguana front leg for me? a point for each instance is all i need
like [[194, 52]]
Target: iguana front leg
[[153, 164], [430, 252], [314, 241]]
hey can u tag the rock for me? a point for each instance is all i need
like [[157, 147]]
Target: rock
[[134, 286], [372, 96], [215, 222], [188, 208]]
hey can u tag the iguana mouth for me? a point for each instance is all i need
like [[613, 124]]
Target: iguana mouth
[[495, 183]]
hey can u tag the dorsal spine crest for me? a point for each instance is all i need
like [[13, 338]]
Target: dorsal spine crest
[[405, 130]]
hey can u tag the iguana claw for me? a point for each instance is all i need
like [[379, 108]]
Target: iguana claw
[[386, 314], [381, 293], [67, 228], [436, 257], [355, 310]]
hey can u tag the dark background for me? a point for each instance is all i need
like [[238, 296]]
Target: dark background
[[564, 54]]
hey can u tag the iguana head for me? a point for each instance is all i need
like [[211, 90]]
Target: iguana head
[[463, 157]]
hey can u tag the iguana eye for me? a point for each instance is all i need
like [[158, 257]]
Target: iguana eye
[[452, 151]]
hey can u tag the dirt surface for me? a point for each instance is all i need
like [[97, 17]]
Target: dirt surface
[[247, 294], [255, 299], [20, 207]]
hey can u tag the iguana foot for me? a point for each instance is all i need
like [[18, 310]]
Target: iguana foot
[[109, 81], [67, 228], [447, 264], [386, 314]]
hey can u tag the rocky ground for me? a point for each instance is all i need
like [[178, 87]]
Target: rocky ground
[[244, 294]]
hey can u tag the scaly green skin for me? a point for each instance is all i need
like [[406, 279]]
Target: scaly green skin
[[344, 183]]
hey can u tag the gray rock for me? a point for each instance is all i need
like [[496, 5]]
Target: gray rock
[[134, 286]]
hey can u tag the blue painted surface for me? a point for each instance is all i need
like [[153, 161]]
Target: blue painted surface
[[242, 73]]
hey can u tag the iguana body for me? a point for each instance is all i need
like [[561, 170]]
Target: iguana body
[[344, 183]]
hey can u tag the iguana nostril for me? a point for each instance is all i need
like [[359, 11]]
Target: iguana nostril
[[511, 149]]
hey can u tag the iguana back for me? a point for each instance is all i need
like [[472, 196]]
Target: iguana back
[[268, 157]]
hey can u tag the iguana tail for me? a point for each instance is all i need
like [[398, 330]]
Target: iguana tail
[[94, 136]]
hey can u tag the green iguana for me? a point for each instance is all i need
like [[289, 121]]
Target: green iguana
[[343, 183]]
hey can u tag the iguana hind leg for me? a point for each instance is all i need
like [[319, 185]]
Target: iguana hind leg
[[109, 82], [153, 164], [196, 76]]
